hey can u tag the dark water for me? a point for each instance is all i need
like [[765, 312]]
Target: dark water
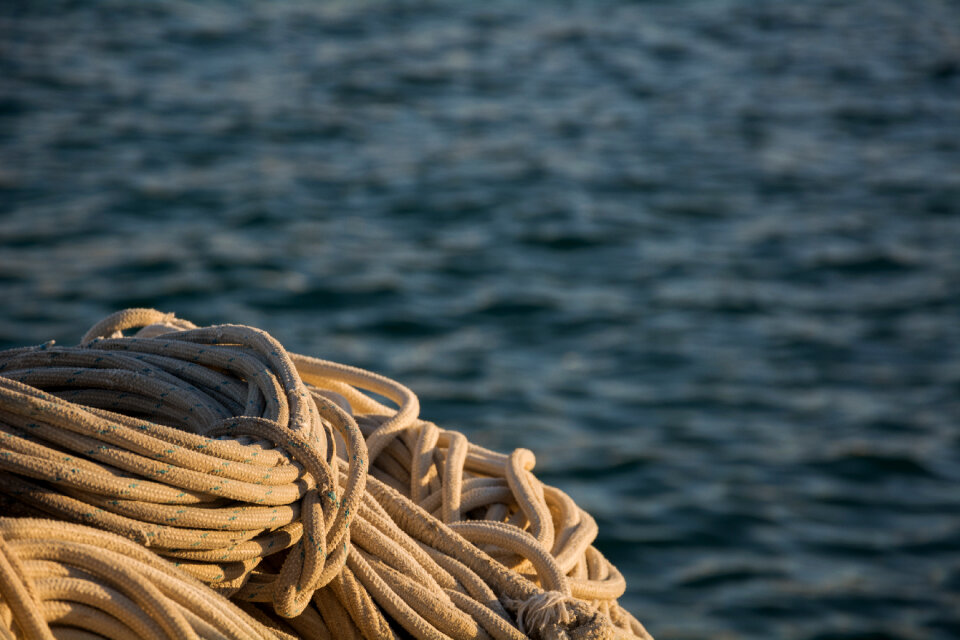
[[703, 258]]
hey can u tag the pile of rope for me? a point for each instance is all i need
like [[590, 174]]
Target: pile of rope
[[241, 471], [62, 580]]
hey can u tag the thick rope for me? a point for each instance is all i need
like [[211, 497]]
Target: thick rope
[[58, 573], [278, 481]]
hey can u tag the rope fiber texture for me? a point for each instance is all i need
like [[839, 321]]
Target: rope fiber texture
[[174, 481]]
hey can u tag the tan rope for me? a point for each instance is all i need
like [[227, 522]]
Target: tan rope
[[279, 481], [68, 574]]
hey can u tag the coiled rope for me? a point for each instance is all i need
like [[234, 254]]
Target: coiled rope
[[66, 580], [278, 481]]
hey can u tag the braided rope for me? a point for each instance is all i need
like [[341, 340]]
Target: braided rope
[[57, 575], [278, 481]]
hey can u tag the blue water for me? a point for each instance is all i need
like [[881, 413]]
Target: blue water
[[702, 257]]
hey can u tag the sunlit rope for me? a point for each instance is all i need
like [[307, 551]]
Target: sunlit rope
[[60, 579], [279, 481]]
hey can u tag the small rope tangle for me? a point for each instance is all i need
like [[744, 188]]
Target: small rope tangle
[[175, 481]]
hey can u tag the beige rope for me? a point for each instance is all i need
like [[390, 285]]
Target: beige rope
[[279, 481], [57, 573]]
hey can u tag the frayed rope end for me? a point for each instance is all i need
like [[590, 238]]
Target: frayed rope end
[[546, 610]]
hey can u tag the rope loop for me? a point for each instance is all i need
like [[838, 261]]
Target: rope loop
[[175, 466]]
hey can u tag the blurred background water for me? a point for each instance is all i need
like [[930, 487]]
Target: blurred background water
[[702, 257]]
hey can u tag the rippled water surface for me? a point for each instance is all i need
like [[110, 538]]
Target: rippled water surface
[[702, 257]]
